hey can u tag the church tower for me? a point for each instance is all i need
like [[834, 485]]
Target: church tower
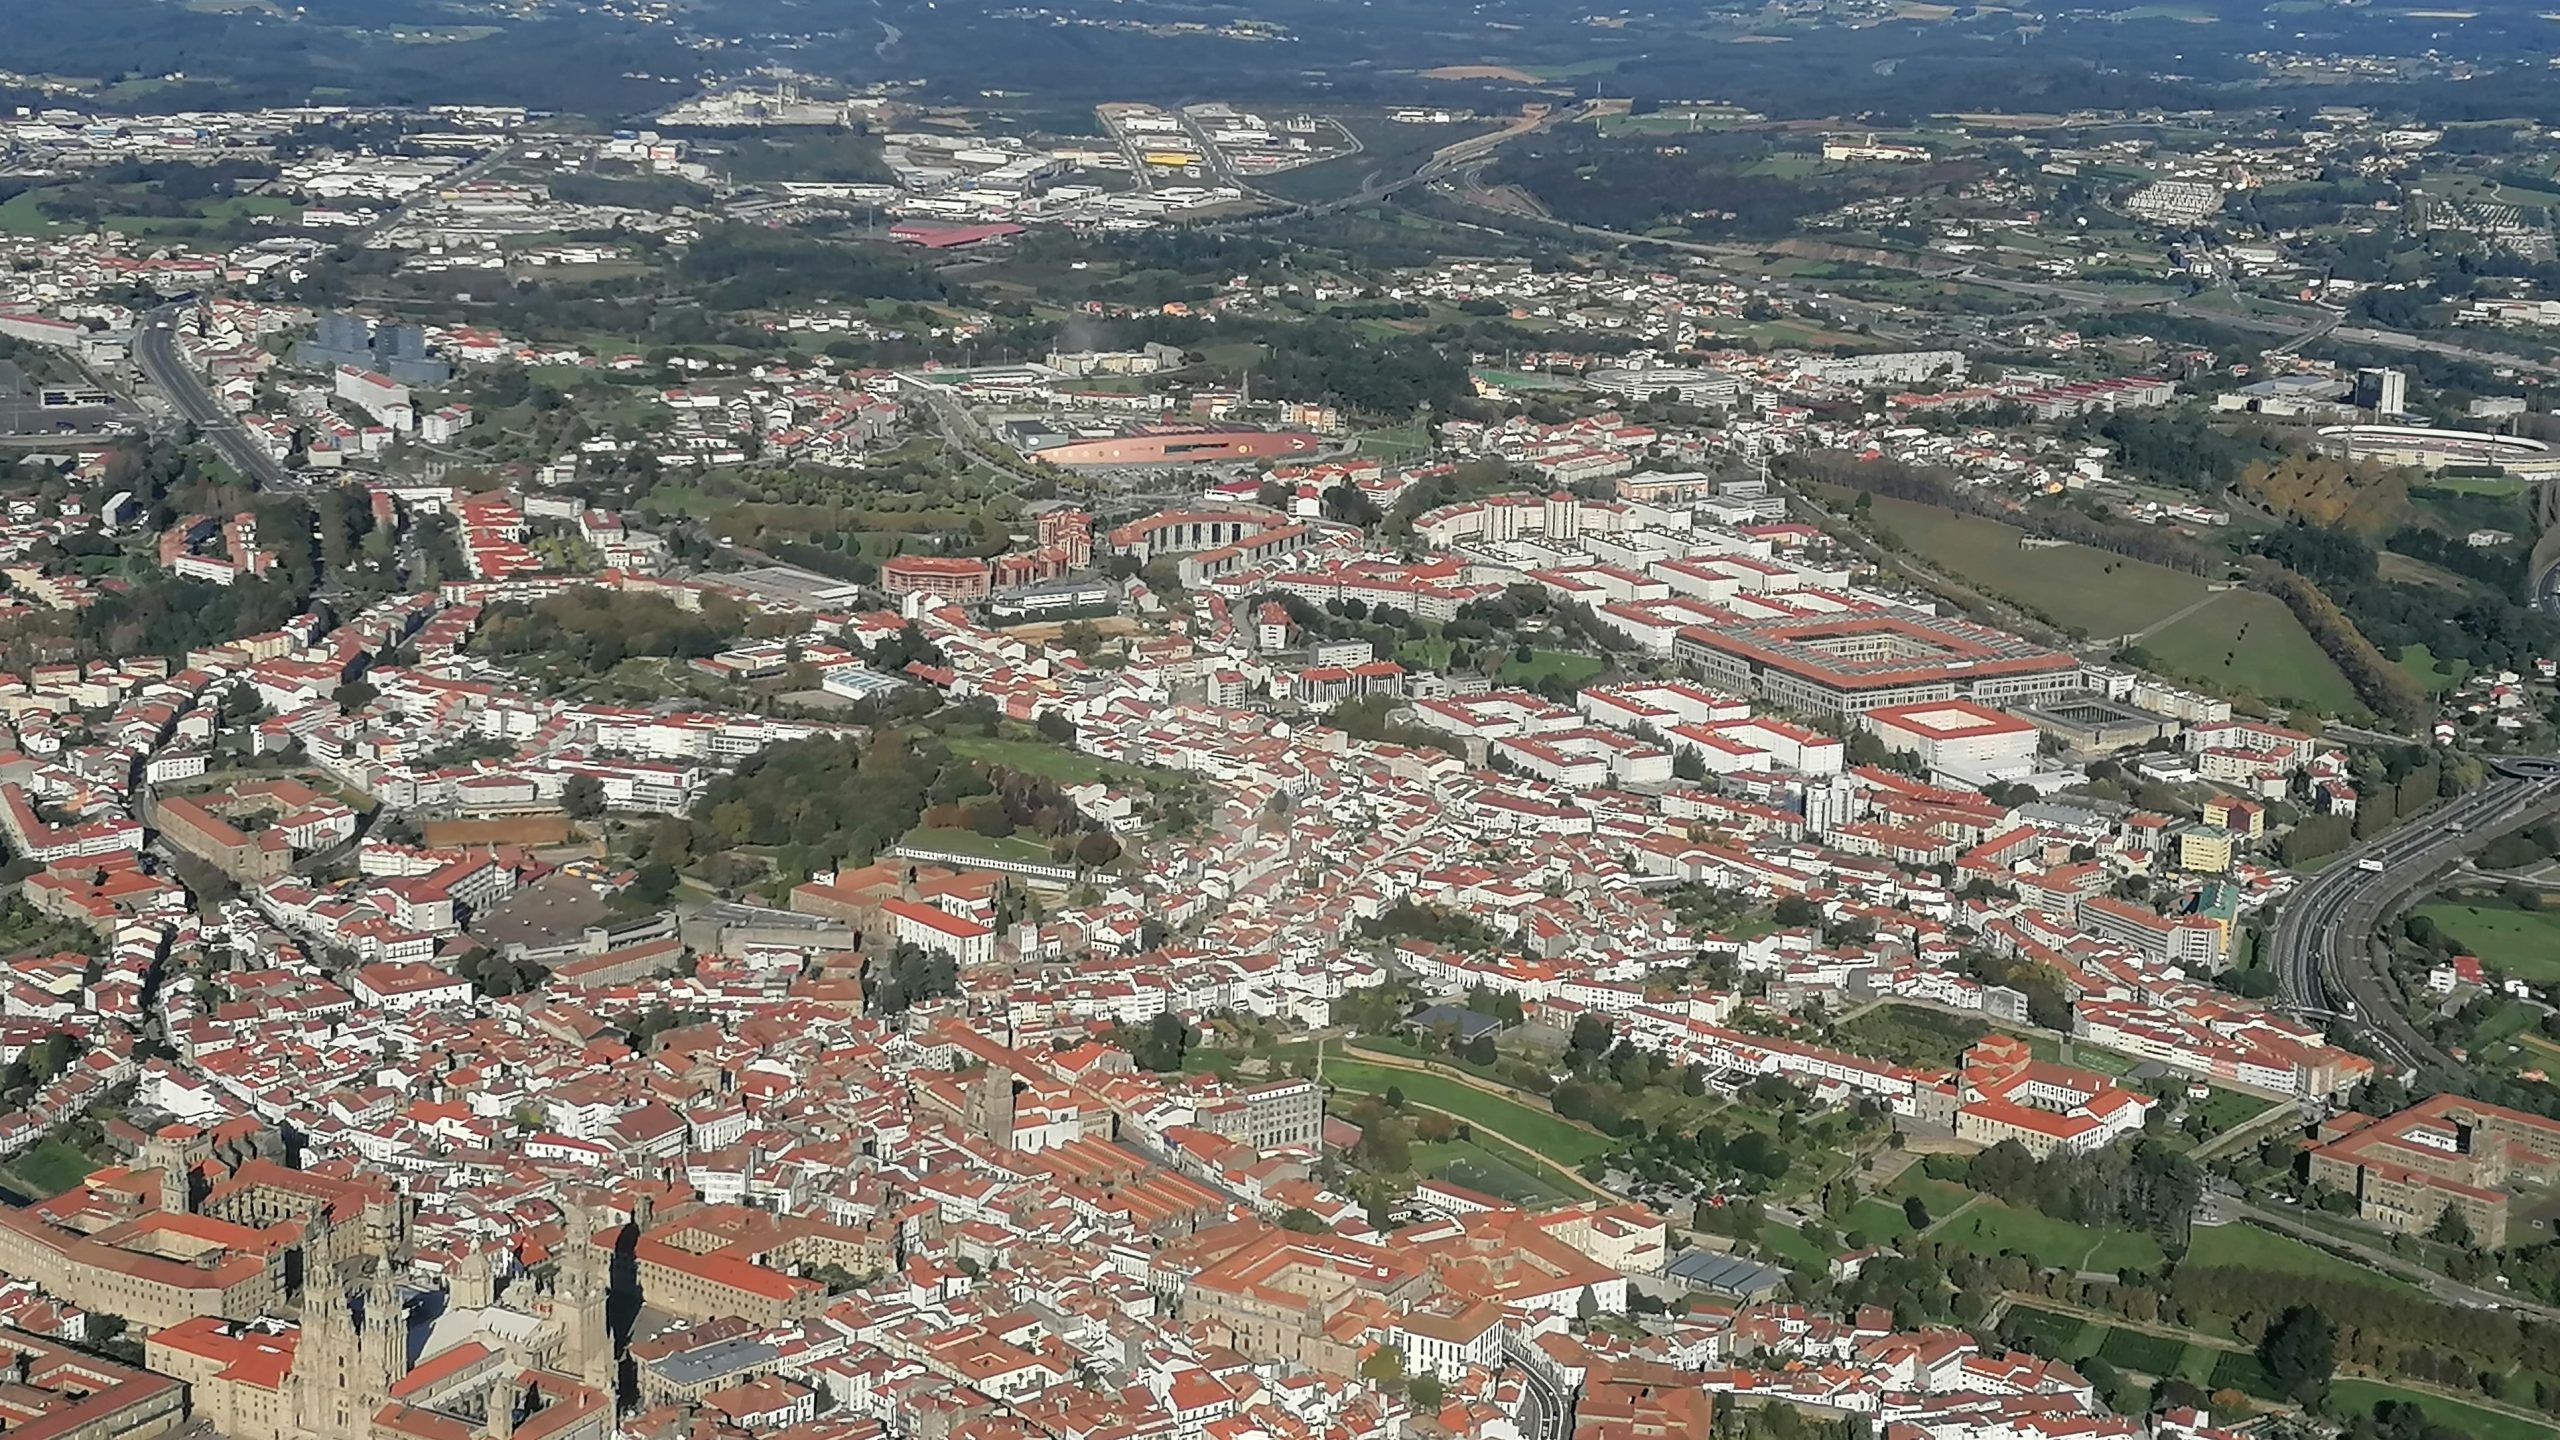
[[384, 1344], [326, 1391], [578, 1297], [990, 1105]]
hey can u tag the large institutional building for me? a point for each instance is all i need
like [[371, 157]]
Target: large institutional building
[[2445, 1153], [1853, 663]]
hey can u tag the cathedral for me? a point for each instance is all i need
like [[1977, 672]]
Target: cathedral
[[356, 1368]]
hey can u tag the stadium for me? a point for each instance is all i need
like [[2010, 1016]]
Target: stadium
[[2431, 449]]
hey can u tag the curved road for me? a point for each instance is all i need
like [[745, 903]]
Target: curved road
[[155, 349], [2323, 949]]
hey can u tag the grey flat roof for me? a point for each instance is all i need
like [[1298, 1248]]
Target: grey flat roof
[[1733, 1276], [710, 1362]]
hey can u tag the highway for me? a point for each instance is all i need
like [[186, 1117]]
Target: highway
[[2323, 950], [155, 349]]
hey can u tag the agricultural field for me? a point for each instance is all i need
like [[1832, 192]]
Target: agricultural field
[[2524, 944], [2076, 1339]]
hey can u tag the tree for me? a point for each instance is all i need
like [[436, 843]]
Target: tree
[[582, 797], [1915, 1212], [1160, 1047], [2300, 1352], [1304, 1221], [1425, 1392], [1587, 1308], [2452, 1227], [1384, 1365], [655, 884], [354, 696]]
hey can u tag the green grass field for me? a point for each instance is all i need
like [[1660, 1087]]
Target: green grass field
[[2248, 1247], [1500, 1170], [2078, 588], [1401, 442], [970, 842], [2053, 1334], [1541, 1131], [1788, 1246], [1991, 1227], [2358, 1397], [2248, 641], [2521, 943], [2229, 1109], [1038, 757], [2239, 639], [2434, 675], [51, 1167], [1576, 669]]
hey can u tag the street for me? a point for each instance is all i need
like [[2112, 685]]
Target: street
[[2322, 950], [155, 349]]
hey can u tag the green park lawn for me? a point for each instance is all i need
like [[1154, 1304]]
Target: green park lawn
[[1576, 669], [985, 847], [2353, 1396], [1989, 1227], [1543, 1132], [2248, 1247]]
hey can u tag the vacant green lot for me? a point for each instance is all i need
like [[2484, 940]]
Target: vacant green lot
[[1542, 1131], [2521, 943], [2248, 1247], [2436, 676], [2075, 587], [1908, 1035], [2237, 640], [51, 1167], [2248, 641], [1990, 1227]]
